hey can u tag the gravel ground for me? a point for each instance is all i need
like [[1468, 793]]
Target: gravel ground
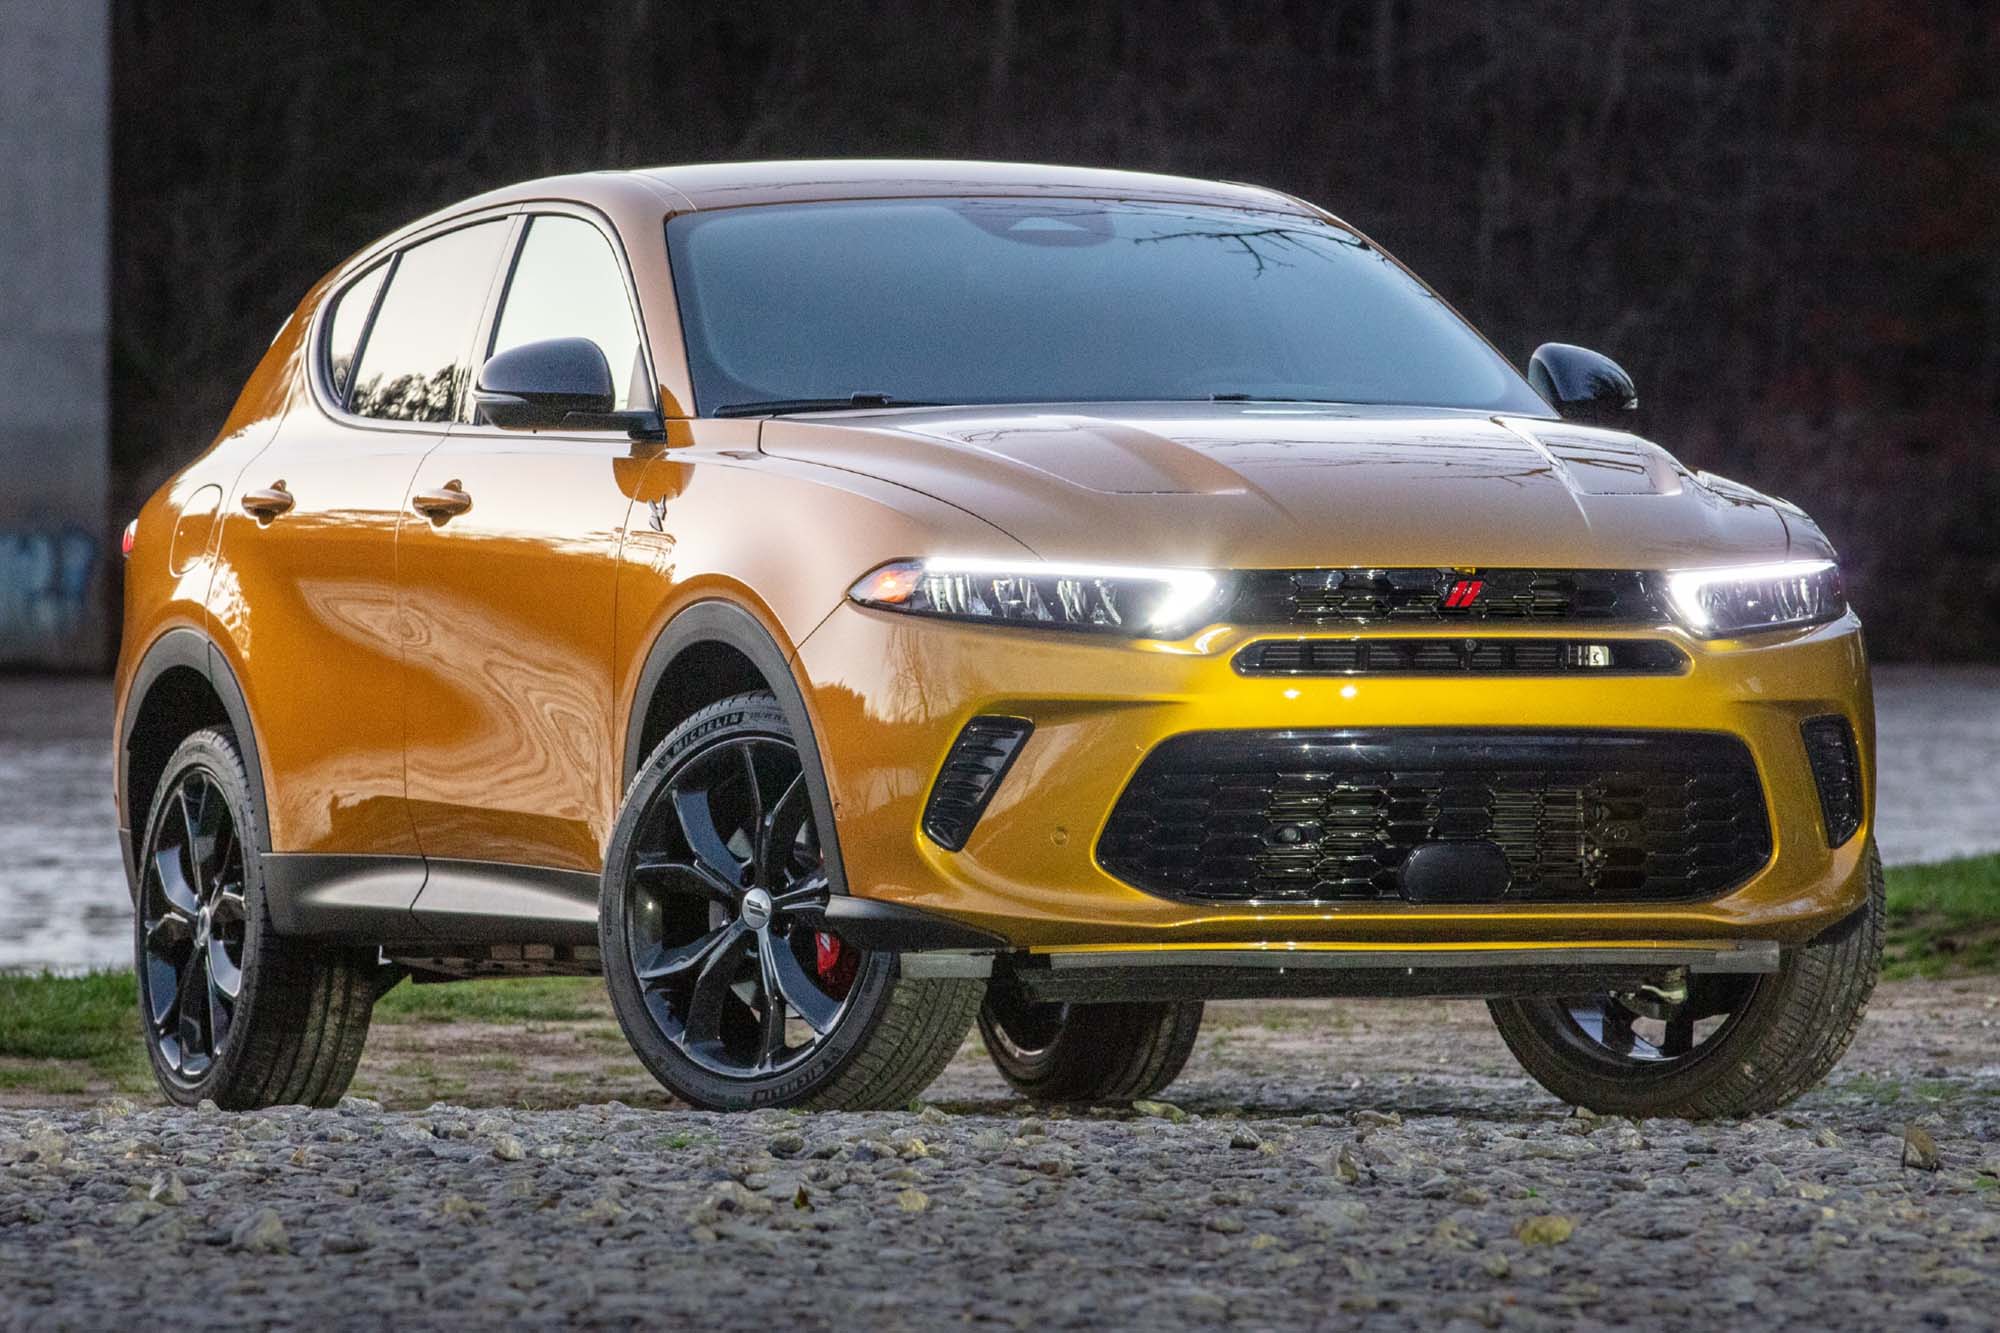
[[1321, 1164]]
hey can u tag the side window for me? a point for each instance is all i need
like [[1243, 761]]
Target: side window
[[567, 284], [414, 366], [344, 329]]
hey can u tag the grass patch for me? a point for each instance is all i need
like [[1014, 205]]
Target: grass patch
[[63, 1035], [91, 1017], [1889, 1090], [508, 1000], [56, 1080], [1944, 918]]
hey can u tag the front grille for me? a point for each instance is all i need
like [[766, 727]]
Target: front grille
[[969, 776], [1459, 657], [1375, 596], [1836, 772], [1311, 816]]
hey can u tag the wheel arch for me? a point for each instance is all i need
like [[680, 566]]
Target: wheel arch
[[711, 650], [180, 685]]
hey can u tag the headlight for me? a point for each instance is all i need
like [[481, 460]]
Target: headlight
[[1744, 600], [1112, 599]]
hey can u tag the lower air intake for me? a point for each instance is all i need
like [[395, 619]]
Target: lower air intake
[[1836, 772], [979, 758], [1312, 816]]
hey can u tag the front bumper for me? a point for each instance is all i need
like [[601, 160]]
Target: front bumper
[[890, 693]]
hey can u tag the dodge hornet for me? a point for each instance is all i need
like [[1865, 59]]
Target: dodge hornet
[[842, 603]]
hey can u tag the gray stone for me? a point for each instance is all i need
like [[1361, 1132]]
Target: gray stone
[[262, 1232]]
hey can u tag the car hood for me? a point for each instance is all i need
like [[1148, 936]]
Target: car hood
[[1276, 485]]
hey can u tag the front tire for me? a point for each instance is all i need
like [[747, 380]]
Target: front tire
[[1086, 1052], [231, 1011], [1734, 1047], [716, 957]]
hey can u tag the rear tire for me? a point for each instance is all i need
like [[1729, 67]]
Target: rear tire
[[1086, 1052], [1780, 1038], [293, 1029]]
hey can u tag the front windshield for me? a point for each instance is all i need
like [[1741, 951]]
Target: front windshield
[[1061, 300]]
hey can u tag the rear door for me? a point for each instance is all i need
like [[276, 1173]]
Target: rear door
[[507, 609], [309, 548]]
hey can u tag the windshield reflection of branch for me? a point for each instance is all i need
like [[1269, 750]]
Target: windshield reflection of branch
[[1286, 237]]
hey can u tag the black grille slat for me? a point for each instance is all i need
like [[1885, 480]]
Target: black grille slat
[[1315, 816], [1328, 596], [1443, 656]]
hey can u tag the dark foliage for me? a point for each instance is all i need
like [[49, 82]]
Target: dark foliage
[[1784, 219]]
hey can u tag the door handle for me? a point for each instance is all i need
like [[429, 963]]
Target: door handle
[[268, 503], [447, 501]]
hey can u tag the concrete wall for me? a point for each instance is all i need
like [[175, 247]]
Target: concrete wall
[[55, 320]]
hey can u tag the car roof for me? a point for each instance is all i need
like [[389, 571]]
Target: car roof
[[732, 184], [727, 184]]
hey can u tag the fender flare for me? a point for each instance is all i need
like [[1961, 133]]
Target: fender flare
[[717, 621], [187, 648]]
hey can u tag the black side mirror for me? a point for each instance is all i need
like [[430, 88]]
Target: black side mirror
[[555, 384], [1582, 385]]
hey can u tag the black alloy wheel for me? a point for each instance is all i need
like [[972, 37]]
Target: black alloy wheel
[[725, 887], [1016, 1028], [717, 954], [1713, 1044], [1086, 1052], [192, 927], [1652, 1029]]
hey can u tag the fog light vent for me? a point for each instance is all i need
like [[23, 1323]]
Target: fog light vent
[[1836, 772], [979, 758]]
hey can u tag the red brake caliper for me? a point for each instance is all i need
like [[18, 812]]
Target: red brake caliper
[[835, 962]]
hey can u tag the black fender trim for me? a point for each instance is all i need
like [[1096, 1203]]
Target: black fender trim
[[191, 649], [871, 924], [726, 622]]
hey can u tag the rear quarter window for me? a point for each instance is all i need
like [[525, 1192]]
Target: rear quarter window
[[415, 363], [346, 326]]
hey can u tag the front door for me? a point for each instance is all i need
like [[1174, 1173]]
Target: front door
[[508, 562]]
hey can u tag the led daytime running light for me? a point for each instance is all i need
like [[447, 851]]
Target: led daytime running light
[[1687, 589], [1184, 592]]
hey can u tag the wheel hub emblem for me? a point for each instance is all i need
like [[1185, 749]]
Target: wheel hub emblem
[[756, 909]]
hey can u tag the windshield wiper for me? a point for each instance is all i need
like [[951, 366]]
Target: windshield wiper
[[778, 406], [1259, 398]]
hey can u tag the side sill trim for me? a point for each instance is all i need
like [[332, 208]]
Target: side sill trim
[[352, 899], [401, 900], [482, 901]]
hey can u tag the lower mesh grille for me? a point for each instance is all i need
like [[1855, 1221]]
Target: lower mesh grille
[[1309, 816], [1836, 772]]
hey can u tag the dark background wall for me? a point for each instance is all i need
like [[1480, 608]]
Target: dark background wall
[[1784, 219], [55, 326]]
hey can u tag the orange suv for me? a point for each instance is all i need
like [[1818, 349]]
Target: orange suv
[[842, 602]]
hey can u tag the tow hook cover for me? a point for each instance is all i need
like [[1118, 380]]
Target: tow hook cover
[[1473, 870]]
